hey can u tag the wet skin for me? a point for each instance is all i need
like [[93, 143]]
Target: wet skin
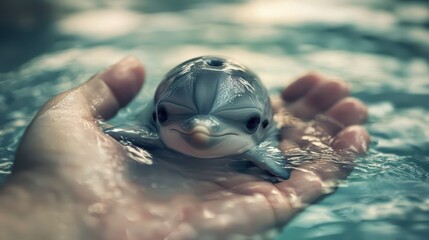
[[71, 181]]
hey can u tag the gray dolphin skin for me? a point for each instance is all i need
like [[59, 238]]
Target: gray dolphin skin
[[211, 108]]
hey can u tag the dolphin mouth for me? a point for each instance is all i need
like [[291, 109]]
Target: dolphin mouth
[[202, 139], [203, 133]]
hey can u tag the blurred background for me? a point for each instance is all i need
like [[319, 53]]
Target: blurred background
[[380, 47]]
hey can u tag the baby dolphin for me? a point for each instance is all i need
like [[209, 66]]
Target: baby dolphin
[[212, 107]]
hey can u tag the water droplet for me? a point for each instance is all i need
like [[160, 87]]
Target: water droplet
[[138, 154]]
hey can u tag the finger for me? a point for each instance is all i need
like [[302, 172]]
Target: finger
[[348, 111], [313, 180], [320, 98], [301, 87], [103, 95], [352, 139]]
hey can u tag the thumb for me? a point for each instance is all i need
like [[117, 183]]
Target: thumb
[[67, 121], [114, 87], [101, 96]]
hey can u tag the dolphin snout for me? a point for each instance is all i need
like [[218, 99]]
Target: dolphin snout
[[200, 135], [209, 122]]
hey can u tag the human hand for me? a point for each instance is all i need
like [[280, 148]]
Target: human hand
[[79, 180]]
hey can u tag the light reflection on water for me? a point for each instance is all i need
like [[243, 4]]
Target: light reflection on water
[[381, 48]]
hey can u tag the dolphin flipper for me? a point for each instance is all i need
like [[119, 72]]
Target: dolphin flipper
[[143, 137], [270, 158]]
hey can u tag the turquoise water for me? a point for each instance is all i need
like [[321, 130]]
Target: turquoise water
[[381, 48]]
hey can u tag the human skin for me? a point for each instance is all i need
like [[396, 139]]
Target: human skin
[[71, 181]]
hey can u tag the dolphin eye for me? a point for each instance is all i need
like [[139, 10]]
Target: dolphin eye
[[253, 123], [162, 114]]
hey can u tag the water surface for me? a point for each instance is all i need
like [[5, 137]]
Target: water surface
[[381, 48]]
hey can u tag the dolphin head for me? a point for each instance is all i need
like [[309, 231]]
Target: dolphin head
[[210, 107]]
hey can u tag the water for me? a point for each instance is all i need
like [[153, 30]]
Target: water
[[380, 47]]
